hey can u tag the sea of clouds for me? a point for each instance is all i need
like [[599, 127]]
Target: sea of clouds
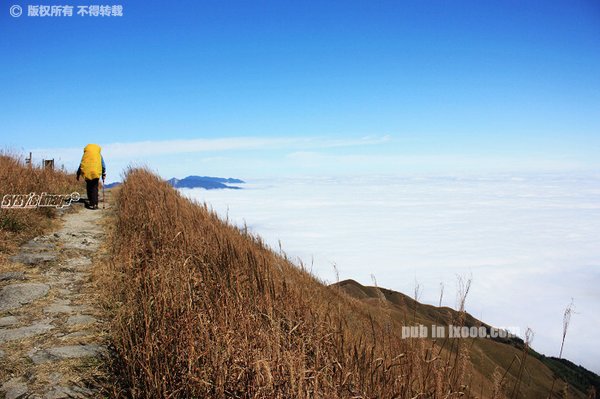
[[530, 243]]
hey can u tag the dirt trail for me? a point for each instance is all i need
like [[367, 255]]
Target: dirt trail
[[51, 326]]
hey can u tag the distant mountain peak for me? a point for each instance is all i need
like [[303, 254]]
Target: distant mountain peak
[[206, 182]]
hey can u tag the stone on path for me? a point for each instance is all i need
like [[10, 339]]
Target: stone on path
[[80, 319], [7, 276], [81, 241], [63, 352], [25, 332], [37, 246], [35, 252], [60, 306], [16, 295], [82, 262], [77, 334], [33, 258], [59, 392], [14, 388], [8, 321], [64, 306]]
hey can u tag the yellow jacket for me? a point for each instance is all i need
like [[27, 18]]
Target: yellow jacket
[[92, 164]]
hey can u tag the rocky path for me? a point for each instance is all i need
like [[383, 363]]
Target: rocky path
[[51, 327]]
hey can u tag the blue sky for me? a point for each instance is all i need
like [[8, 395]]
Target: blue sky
[[442, 86]]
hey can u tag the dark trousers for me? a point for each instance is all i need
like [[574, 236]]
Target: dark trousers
[[92, 191]]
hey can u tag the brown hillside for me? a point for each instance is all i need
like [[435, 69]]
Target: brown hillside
[[205, 309], [488, 356]]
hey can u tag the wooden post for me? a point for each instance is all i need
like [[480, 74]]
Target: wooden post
[[49, 164]]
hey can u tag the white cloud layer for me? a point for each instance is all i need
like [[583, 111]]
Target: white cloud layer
[[531, 243]]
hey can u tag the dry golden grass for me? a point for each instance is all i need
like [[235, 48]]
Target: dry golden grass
[[204, 309], [18, 225]]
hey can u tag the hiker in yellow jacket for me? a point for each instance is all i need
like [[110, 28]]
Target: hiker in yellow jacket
[[92, 168]]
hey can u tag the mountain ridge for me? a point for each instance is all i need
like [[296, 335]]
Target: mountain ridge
[[403, 307], [194, 181]]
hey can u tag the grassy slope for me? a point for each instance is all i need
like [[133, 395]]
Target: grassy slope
[[208, 311], [204, 309], [487, 355]]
